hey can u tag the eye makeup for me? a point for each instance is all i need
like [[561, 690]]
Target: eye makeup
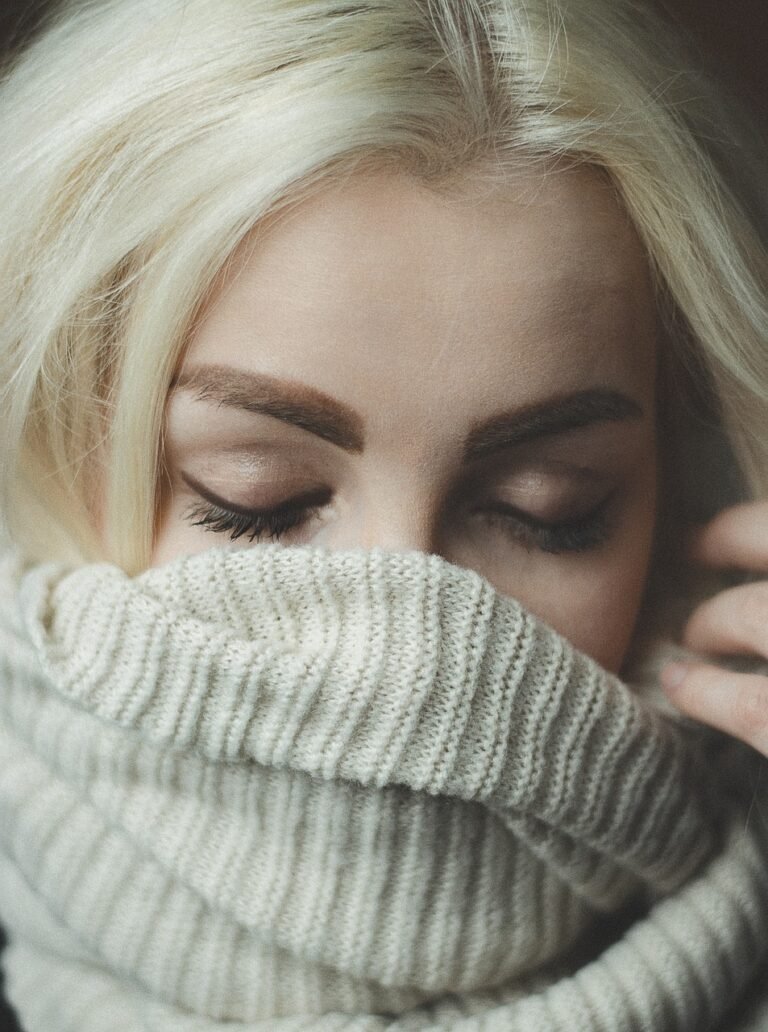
[[220, 516], [576, 532], [582, 533], [253, 525]]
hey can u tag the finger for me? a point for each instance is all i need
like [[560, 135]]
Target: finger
[[733, 621], [734, 703], [736, 537]]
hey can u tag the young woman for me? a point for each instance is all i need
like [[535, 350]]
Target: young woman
[[366, 365]]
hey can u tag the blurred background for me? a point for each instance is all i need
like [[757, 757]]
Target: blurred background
[[732, 38]]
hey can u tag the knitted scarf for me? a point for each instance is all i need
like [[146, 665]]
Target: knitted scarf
[[301, 790]]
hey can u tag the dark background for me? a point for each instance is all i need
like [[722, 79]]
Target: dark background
[[731, 36]]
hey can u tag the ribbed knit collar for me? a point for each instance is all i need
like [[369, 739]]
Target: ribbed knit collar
[[300, 789]]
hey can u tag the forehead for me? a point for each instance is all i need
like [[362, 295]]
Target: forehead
[[566, 222], [543, 273]]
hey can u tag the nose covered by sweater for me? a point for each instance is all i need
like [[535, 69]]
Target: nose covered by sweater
[[289, 787]]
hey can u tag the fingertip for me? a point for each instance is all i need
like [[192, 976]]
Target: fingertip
[[697, 545], [735, 538]]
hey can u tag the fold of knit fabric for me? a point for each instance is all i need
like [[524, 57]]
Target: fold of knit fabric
[[295, 789]]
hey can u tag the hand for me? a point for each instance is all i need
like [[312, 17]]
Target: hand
[[733, 621]]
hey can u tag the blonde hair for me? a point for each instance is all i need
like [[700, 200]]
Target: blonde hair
[[143, 139]]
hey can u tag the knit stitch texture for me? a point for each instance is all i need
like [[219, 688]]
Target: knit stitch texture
[[295, 789]]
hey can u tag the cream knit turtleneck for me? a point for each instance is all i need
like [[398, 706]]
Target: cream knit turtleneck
[[294, 789]]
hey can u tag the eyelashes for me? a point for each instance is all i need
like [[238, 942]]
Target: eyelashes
[[582, 533], [254, 524]]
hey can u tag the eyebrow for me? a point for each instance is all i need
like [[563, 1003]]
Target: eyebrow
[[305, 407], [318, 413], [558, 415]]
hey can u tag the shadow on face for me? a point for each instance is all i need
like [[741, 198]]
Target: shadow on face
[[460, 372]]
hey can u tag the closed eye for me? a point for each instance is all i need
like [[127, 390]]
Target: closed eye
[[581, 533]]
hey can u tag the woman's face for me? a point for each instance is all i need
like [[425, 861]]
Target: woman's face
[[468, 374]]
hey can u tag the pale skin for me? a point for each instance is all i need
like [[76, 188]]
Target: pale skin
[[732, 622], [422, 316]]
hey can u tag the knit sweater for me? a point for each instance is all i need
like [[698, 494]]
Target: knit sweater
[[301, 790]]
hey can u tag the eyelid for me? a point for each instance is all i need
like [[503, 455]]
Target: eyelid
[[581, 471], [570, 536], [573, 533], [544, 469], [571, 492], [593, 509], [566, 510], [213, 499], [314, 496]]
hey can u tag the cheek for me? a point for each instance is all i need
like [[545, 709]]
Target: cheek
[[596, 606], [171, 538], [599, 617], [174, 535], [594, 599]]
